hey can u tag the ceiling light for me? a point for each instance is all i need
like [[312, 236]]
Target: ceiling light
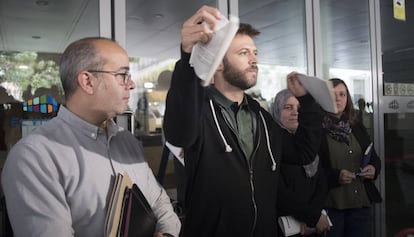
[[158, 16], [148, 85], [134, 18]]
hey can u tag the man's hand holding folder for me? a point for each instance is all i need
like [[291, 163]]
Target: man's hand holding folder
[[129, 213]]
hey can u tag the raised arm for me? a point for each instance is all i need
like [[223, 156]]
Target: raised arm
[[307, 138], [199, 27], [183, 104]]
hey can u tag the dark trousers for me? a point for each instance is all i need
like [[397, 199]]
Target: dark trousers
[[354, 222]]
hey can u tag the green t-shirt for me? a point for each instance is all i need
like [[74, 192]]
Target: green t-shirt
[[241, 120]]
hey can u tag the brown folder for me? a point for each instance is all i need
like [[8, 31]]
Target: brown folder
[[113, 214], [129, 213]]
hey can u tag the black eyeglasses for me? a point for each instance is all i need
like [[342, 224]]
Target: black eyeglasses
[[126, 76]]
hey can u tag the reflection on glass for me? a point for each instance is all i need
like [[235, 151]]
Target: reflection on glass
[[397, 50], [153, 43], [346, 51], [281, 44], [30, 45], [30, 93], [147, 100], [397, 63], [399, 171], [27, 74]]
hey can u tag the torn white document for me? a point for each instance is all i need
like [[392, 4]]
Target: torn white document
[[321, 90], [205, 58], [176, 151]]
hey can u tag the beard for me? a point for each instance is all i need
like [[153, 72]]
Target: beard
[[238, 78]]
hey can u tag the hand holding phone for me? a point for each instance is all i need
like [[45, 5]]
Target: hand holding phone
[[368, 172]]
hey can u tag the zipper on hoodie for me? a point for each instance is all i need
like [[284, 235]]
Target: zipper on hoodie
[[254, 202], [251, 174], [249, 162], [249, 165]]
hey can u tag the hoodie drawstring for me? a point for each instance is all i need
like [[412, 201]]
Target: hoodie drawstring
[[268, 143], [227, 146]]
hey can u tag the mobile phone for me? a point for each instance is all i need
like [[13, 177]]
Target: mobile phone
[[359, 173]]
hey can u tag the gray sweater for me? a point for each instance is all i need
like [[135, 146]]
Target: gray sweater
[[57, 180]]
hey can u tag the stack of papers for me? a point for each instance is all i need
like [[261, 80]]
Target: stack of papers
[[128, 213], [114, 212], [289, 225], [177, 152], [205, 58]]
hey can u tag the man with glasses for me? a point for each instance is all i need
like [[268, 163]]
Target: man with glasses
[[57, 180]]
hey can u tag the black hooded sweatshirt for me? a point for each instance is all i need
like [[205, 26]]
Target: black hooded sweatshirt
[[228, 194]]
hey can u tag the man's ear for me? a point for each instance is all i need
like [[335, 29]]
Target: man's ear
[[86, 82], [220, 66]]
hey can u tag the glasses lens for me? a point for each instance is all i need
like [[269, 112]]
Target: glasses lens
[[127, 77]]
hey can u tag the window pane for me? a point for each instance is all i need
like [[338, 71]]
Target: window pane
[[397, 63], [399, 171], [398, 50], [346, 51], [33, 34], [153, 43], [281, 44]]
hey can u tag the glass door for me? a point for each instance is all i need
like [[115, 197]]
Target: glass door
[[397, 113], [399, 170]]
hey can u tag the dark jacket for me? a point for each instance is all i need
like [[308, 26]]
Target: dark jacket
[[228, 195], [299, 195], [363, 138]]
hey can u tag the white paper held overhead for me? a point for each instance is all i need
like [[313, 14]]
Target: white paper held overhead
[[321, 90], [205, 58]]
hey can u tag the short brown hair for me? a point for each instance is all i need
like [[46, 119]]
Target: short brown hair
[[247, 29]]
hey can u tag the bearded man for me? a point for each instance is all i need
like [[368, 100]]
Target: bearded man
[[231, 144]]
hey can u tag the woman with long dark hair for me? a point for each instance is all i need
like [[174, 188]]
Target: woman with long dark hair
[[352, 165]]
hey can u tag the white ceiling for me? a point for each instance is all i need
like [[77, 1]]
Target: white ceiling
[[153, 27]]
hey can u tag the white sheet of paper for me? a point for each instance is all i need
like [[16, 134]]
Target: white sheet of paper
[[205, 58], [321, 90], [176, 152], [289, 225]]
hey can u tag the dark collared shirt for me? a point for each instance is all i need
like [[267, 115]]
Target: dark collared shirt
[[240, 120]]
